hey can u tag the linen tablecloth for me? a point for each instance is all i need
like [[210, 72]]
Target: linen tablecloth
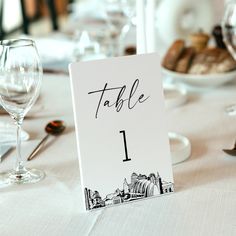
[[204, 202]]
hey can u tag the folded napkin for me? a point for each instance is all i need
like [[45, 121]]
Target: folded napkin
[[63, 48], [8, 134], [26, 149]]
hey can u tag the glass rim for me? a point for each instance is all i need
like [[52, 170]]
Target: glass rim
[[17, 42]]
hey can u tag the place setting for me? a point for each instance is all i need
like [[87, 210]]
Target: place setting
[[182, 62], [18, 98], [21, 77], [20, 88], [119, 118]]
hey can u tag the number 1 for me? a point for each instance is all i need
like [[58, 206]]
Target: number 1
[[126, 151]]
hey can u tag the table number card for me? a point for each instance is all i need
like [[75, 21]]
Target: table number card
[[121, 132]]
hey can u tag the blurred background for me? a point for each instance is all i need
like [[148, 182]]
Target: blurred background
[[36, 16], [91, 29]]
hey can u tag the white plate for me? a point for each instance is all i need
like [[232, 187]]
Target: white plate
[[207, 80]]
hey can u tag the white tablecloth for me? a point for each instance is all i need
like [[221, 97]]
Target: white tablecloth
[[204, 202]]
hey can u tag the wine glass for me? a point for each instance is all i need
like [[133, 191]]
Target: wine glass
[[117, 18], [20, 82], [229, 34]]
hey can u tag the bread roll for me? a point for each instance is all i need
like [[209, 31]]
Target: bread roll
[[173, 54], [212, 60], [199, 40], [185, 60]]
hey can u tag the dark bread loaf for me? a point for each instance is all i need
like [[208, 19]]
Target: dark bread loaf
[[185, 59], [173, 54]]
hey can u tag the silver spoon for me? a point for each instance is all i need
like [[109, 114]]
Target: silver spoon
[[231, 152], [55, 128]]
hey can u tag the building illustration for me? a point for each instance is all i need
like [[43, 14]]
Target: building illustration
[[140, 186]]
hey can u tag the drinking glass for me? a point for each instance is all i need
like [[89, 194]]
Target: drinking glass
[[117, 18], [20, 81], [229, 34]]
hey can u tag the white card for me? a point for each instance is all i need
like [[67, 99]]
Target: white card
[[121, 131]]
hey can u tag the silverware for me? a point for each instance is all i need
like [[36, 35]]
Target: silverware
[[4, 150], [231, 152], [55, 128]]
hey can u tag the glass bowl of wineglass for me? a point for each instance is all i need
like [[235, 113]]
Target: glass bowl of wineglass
[[116, 12], [229, 34], [20, 82]]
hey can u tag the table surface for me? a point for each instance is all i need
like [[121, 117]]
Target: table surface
[[204, 202]]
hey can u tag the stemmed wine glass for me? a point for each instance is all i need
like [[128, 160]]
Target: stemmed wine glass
[[117, 18], [229, 34], [20, 82]]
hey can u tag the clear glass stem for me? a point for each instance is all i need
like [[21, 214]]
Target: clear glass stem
[[116, 46], [20, 175], [19, 166]]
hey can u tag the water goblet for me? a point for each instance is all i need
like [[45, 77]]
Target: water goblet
[[118, 19], [20, 82]]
